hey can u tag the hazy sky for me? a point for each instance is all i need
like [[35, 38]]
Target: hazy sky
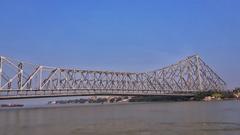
[[123, 35]]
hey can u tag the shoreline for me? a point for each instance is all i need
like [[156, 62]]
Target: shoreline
[[48, 106]]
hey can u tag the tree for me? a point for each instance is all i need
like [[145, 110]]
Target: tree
[[236, 90]]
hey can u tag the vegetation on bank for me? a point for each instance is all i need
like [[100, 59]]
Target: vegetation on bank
[[218, 95], [158, 98], [206, 96]]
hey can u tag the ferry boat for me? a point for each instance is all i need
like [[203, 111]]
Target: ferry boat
[[12, 105]]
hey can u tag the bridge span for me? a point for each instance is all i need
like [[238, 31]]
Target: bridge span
[[20, 79]]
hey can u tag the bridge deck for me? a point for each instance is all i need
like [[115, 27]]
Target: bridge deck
[[16, 94]]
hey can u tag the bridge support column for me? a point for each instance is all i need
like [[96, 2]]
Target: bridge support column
[[199, 73], [1, 62], [40, 78], [20, 74]]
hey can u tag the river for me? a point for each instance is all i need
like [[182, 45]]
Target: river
[[160, 118]]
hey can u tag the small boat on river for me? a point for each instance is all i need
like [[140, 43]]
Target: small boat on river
[[12, 105]]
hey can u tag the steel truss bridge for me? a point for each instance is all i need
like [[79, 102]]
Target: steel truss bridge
[[21, 80]]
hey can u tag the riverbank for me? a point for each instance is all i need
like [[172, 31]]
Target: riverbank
[[99, 100], [217, 95], [94, 100], [206, 96]]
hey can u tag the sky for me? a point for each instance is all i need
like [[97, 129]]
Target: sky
[[123, 35]]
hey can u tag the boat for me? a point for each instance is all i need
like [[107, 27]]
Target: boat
[[12, 105]]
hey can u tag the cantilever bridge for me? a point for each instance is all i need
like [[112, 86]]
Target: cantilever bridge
[[20, 80]]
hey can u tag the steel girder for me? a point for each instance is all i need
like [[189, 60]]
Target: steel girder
[[186, 76]]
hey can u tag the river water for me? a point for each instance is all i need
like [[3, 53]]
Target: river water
[[162, 118]]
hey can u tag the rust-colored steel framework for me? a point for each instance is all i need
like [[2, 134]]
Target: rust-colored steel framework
[[186, 77]]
